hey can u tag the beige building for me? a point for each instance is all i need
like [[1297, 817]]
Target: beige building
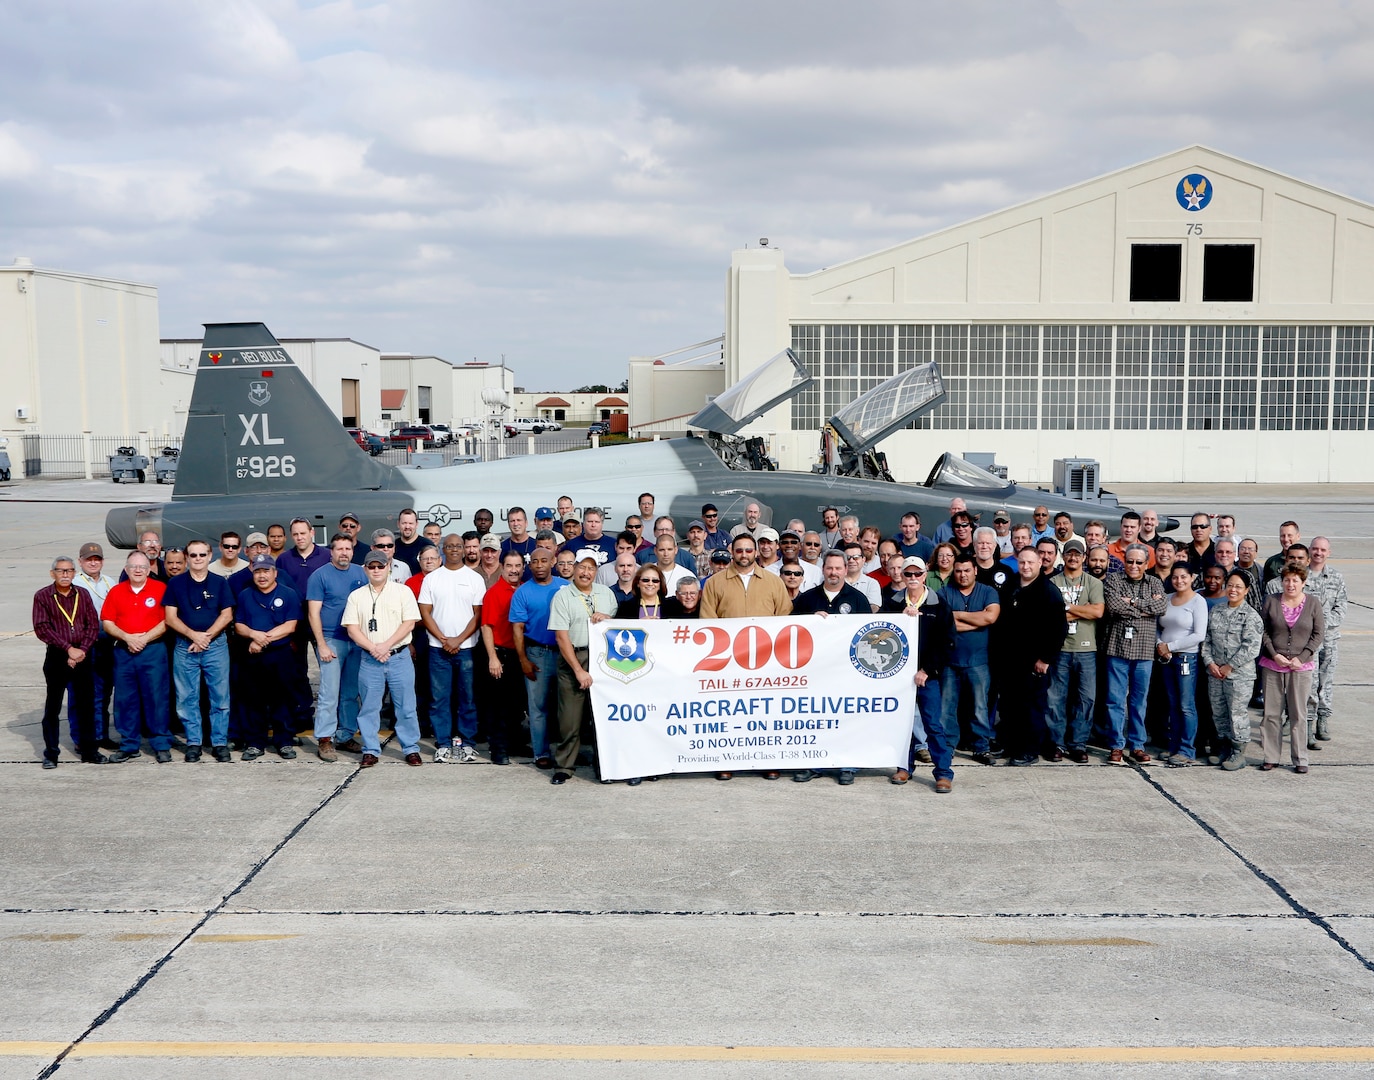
[[1192, 318], [569, 408], [80, 355]]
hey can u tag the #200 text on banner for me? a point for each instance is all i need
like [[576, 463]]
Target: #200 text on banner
[[805, 692]]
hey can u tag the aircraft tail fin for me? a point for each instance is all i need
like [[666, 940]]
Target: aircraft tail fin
[[256, 425]]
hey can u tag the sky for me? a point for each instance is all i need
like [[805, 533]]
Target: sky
[[561, 185]]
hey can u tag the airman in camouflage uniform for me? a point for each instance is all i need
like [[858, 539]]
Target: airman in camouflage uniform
[[1229, 652], [1329, 586]]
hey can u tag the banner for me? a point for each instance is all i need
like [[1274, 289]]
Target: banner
[[731, 695]]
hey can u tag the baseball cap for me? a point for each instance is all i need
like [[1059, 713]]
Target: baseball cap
[[571, 517], [720, 555], [264, 562], [587, 556], [913, 560], [1075, 545], [707, 508], [696, 523], [351, 517], [767, 532], [256, 538], [490, 541], [375, 557], [90, 550], [543, 512], [790, 532], [1001, 515]]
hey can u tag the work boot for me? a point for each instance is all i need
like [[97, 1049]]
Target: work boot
[[326, 749]]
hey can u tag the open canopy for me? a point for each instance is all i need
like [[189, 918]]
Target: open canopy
[[889, 406], [779, 379]]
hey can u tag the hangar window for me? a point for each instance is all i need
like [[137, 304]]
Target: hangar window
[[1276, 378], [1156, 272], [806, 406], [1166, 378], [950, 351], [985, 377], [1132, 378], [913, 348], [1351, 392], [1240, 370], [1059, 365], [1094, 388], [1311, 398], [1228, 273], [1204, 378]]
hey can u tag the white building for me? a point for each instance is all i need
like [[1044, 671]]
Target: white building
[[79, 355], [347, 373], [416, 389], [470, 380], [1191, 318]]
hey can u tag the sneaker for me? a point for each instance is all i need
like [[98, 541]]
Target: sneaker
[[984, 758], [251, 753], [803, 776], [466, 754], [923, 756], [1234, 763], [846, 777], [288, 752], [163, 756], [326, 749], [192, 754], [1179, 761], [443, 755], [222, 754]]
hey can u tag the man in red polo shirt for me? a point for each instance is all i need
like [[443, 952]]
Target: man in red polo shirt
[[501, 688], [132, 615]]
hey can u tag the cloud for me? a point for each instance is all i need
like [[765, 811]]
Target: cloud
[[563, 184]]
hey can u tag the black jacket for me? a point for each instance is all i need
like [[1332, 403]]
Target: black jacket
[[936, 633], [1032, 626], [848, 601]]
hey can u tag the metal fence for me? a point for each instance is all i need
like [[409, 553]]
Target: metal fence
[[65, 457]]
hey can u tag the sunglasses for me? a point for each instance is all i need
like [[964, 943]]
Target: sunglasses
[[792, 573], [1135, 562], [384, 545], [1203, 526], [913, 573], [229, 547]]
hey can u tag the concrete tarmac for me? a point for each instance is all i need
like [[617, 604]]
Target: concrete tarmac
[[312, 920]]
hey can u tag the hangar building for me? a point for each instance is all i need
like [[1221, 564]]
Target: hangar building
[[1191, 318]]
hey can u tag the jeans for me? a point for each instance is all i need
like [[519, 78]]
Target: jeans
[[976, 682], [187, 669], [397, 675], [336, 709], [1074, 677], [1182, 692], [541, 696], [928, 703], [451, 703], [140, 696], [1128, 688]]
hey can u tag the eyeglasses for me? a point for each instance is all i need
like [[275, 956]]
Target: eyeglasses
[[853, 558], [1135, 562]]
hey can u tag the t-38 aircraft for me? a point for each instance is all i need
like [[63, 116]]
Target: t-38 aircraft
[[261, 446]]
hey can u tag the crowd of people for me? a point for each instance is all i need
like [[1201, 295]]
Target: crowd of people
[[1036, 641]]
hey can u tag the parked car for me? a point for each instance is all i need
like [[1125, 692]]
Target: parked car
[[373, 444], [598, 427], [443, 434], [528, 424], [411, 434], [552, 425]]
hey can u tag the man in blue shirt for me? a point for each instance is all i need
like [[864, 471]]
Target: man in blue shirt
[[909, 540], [326, 594], [716, 537], [267, 614], [593, 540], [537, 648], [975, 607], [199, 608], [295, 565]]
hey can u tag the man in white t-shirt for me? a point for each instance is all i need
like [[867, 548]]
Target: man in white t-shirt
[[451, 610]]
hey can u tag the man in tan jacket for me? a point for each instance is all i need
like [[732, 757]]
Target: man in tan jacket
[[741, 590]]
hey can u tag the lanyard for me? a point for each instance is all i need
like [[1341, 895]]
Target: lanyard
[[76, 603]]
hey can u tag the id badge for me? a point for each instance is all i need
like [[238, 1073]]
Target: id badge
[[1073, 626], [1185, 669], [1130, 633]]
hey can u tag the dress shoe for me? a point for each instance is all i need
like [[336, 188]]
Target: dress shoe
[[95, 759], [251, 753], [725, 776], [222, 754], [772, 774], [803, 776], [192, 755], [944, 786], [163, 756], [49, 763], [901, 776], [368, 761], [1079, 756], [634, 781], [122, 755], [984, 758], [543, 763], [1140, 757], [1057, 754], [923, 756], [1301, 769], [349, 746], [1268, 766], [414, 759], [845, 778], [560, 777], [109, 744], [326, 749], [1024, 759], [1116, 757], [288, 752], [498, 758]]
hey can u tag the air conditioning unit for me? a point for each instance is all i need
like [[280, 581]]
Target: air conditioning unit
[[21, 413], [1077, 478]]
